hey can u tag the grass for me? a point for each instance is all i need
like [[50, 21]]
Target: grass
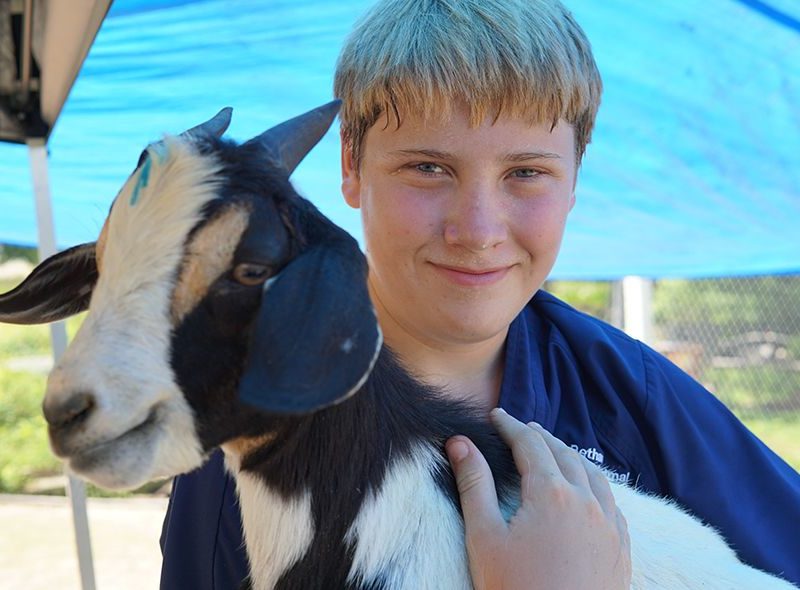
[[757, 390], [767, 400], [21, 341], [781, 434], [24, 452], [7, 285], [18, 341]]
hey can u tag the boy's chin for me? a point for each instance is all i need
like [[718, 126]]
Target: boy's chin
[[476, 324]]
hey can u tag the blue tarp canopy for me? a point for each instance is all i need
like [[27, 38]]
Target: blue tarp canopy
[[693, 171]]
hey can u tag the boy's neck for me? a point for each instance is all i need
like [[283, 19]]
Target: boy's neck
[[470, 371]]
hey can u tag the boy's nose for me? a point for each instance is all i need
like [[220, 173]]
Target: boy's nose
[[476, 222]]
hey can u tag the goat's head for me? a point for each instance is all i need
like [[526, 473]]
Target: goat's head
[[214, 293]]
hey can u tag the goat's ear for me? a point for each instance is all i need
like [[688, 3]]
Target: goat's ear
[[316, 337], [59, 287]]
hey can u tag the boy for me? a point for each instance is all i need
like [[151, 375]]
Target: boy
[[463, 126]]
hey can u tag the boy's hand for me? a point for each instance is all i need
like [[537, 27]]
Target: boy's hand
[[567, 534]]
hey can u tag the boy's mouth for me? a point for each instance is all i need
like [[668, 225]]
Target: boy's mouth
[[466, 276]]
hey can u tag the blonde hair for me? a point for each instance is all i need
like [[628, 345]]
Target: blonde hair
[[522, 58]]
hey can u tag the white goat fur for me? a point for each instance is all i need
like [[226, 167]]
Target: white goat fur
[[407, 532]]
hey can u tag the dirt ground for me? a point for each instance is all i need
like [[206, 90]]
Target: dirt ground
[[37, 543]]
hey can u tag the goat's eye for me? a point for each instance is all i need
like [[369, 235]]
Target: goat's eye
[[250, 274]]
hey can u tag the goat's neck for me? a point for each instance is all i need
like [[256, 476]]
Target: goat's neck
[[278, 530], [302, 489]]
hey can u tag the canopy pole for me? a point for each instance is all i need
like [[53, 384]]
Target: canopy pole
[[76, 490], [27, 48], [617, 318], [637, 299]]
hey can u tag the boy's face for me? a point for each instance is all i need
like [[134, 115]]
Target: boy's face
[[462, 224]]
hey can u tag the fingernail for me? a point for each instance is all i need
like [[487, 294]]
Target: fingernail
[[497, 411], [457, 451]]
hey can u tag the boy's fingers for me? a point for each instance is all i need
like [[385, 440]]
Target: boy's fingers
[[601, 488], [475, 487], [579, 471], [532, 456], [572, 465]]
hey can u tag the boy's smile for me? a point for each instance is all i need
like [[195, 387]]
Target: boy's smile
[[462, 224]]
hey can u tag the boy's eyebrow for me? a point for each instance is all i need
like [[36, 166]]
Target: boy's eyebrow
[[433, 154], [510, 157], [524, 156]]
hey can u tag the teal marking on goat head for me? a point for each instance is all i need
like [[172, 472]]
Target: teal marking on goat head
[[157, 151], [144, 178]]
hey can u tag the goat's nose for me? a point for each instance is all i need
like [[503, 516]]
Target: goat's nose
[[70, 412]]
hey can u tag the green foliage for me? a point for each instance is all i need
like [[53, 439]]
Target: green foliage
[[16, 341], [755, 391], [592, 297], [24, 449], [781, 434], [24, 452], [7, 285], [793, 346], [745, 304], [7, 252], [21, 341]]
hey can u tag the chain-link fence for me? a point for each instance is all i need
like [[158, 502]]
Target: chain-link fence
[[740, 337]]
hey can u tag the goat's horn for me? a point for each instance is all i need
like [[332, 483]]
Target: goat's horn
[[289, 142], [215, 126]]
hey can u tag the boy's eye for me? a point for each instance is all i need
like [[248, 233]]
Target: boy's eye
[[429, 168], [526, 173]]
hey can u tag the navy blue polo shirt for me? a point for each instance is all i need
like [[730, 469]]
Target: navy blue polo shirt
[[606, 395]]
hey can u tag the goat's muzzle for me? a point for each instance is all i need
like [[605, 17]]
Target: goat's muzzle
[[65, 417], [70, 412]]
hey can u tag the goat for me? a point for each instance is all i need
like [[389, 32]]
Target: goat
[[226, 311]]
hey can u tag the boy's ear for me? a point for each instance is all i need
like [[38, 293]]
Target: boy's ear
[[316, 336], [351, 182], [59, 287]]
